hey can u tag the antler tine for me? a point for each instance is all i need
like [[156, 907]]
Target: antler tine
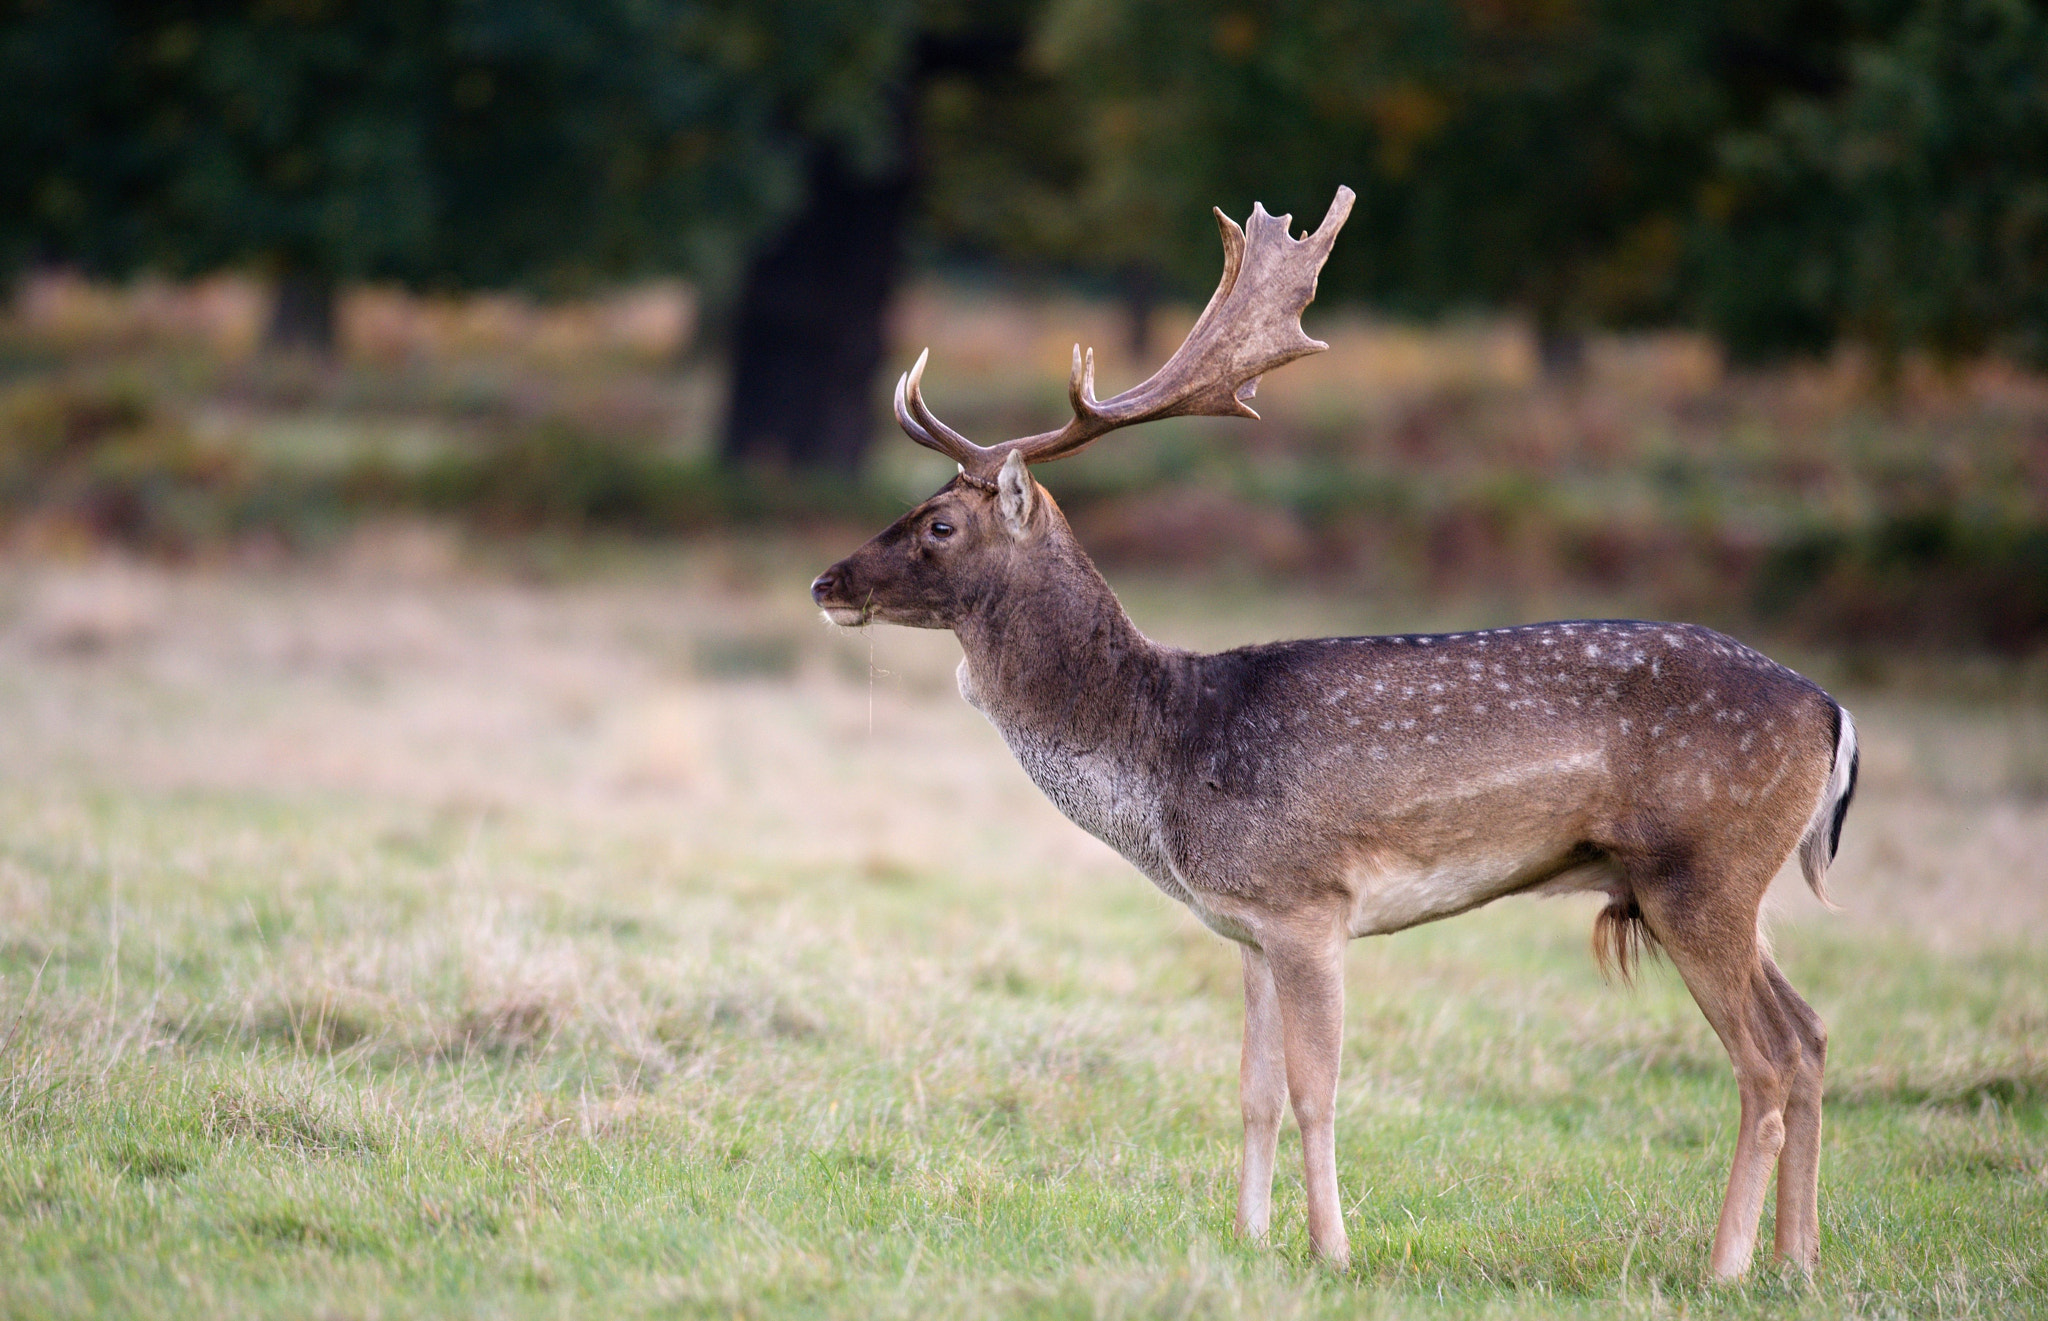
[[1081, 394], [910, 424], [1251, 325], [1081, 383], [924, 427], [929, 419]]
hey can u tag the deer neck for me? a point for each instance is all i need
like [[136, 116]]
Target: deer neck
[[1053, 659], [1082, 698]]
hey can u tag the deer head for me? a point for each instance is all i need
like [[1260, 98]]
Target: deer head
[[993, 525]]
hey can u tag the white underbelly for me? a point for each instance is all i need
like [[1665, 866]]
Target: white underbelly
[[1393, 898]]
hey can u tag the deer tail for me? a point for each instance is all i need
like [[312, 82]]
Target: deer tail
[[1621, 938], [1823, 837]]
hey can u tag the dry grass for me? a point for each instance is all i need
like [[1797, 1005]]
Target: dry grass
[[695, 695], [224, 315]]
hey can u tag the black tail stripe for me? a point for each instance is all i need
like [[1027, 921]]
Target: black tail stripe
[[1842, 807]]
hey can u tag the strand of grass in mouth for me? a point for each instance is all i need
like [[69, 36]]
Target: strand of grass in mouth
[[868, 626]]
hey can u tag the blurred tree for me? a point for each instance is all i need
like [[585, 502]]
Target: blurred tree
[[1535, 153], [809, 328], [1785, 171], [460, 143], [1902, 204], [1785, 174], [761, 146], [184, 137]]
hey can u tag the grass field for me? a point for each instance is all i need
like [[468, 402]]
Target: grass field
[[414, 934]]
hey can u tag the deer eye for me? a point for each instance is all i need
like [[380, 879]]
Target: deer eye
[[941, 530]]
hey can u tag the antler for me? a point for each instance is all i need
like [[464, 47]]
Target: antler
[[1251, 325]]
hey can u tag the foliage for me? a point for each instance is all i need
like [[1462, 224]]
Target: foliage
[[109, 466], [558, 477], [1933, 577], [1535, 155], [1788, 175], [455, 142], [1907, 207]]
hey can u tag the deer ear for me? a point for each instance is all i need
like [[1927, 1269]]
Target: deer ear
[[1016, 495]]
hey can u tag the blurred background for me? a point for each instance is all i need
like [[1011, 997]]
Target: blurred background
[[1726, 310], [446, 864]]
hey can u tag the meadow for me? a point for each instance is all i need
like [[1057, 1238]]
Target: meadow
[[447, 868], [430, 927]]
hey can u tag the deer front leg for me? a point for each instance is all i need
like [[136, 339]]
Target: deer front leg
[[1309, 978], [1262, 1090]]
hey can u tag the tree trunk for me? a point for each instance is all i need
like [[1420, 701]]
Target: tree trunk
[[809, 330], [1141, 298], [808, 333], [1559, 349], [1561, 353], [302, 314]]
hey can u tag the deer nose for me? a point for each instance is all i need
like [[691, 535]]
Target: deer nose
[[822, 586]]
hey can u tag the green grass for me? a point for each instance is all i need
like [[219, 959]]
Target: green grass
[[275, 1040], [321, 1069]]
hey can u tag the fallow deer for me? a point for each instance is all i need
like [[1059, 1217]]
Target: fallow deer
[[1297, 795]]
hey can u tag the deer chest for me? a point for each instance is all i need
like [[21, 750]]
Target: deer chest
[[1108, 798]]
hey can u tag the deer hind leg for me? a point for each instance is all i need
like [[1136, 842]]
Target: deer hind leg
[[1262, 1090], [1797, 1242], [1309, 978], [1715, 948]]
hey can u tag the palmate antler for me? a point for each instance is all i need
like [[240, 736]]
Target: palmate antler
[[1251, 325]]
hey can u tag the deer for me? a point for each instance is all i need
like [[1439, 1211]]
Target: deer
[[1295, 796]]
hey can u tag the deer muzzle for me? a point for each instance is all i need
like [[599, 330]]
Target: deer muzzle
[[828, 590]]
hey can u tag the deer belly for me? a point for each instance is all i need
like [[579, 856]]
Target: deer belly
[[1394, 896]]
